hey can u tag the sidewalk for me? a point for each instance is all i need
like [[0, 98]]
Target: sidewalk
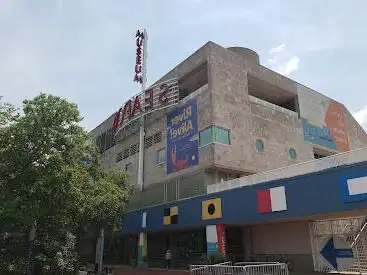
[[128, 270]]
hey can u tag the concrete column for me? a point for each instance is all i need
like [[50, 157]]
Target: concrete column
[[247, 243], [142, 248], [216, 239]]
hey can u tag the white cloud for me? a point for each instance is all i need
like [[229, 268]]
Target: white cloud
[[290, 66], [277, 49], [272, 60], [361, 117]]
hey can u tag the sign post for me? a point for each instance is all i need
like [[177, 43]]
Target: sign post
[[141, 39]]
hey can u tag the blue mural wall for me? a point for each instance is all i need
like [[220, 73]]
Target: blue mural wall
[[182, 141], [317, 193], [317, 135]]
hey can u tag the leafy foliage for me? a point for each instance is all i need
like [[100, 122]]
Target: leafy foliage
[[51, 175]]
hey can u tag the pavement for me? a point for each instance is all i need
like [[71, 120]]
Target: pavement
[[128, 270]]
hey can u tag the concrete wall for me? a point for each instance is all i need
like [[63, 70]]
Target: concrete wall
[[291, 239], [249, 121], [225, 102], [357, 135]]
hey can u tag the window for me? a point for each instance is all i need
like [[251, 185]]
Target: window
[[129, 167], [148, 142], [318, 156], [157, 137], [161, 156], [259, 145], [214, 134], [119, 157], [134, 149], [206, 136], [126, 153], [221, 135], [292, 153]]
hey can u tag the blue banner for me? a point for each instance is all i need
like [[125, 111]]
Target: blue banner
[[182, 137], [317, 135]]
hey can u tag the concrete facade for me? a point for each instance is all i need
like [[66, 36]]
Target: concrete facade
[[230, 92], [273, 122]]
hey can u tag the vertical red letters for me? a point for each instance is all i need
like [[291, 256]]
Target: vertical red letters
[[136, 107], [163, 94], [148, 101], [138, 68]]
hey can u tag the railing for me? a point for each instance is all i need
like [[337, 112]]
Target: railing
[[246, 268], [303, 168], [272, 106], [182, 187]]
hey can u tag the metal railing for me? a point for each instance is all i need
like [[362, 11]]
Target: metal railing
[[270, 268], [303, 168], [216, 269], [272, 106], [183, 187], [246, 268]]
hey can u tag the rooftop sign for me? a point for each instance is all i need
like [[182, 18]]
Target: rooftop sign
[[159, 96]]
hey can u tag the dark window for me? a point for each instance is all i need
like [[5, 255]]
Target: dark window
[[103, 142], [119, 157], [161, 156], [129, 167], [99, 143], [126, 153], [292, 153], [134, 149], [148, 142], [318, 156], [259, 145], [157, 137]]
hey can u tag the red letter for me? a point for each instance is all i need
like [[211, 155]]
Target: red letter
[[117, 119], [139, 42], [138, 51], [137, 106], [137, 69], [139, 34], [148, 100], [163, 94], [126, 111], [138, 59], [138, 78]]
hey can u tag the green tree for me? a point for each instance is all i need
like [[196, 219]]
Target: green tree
[[51, 180], [7, 113]]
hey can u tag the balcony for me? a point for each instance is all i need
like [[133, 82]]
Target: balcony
[[312, 166]]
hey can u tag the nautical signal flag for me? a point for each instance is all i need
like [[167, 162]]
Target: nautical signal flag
[[170, 215], [271, 200], [354, 189], [211, 209]]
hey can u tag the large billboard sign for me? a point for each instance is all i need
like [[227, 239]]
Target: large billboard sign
[[182, 137], [160, 96]]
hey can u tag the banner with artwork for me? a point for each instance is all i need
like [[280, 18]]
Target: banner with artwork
[[215, 239], [323, 120], [182, 137]]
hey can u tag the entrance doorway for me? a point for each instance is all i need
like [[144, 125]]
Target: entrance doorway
[[235, 243]]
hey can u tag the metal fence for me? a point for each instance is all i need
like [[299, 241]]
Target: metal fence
[[182, 187], [246, 268], [269, 268]]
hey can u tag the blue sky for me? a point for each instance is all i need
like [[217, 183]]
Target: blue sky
[[84, 50]]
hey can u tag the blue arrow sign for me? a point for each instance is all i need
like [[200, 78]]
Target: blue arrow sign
[[330, 253]]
